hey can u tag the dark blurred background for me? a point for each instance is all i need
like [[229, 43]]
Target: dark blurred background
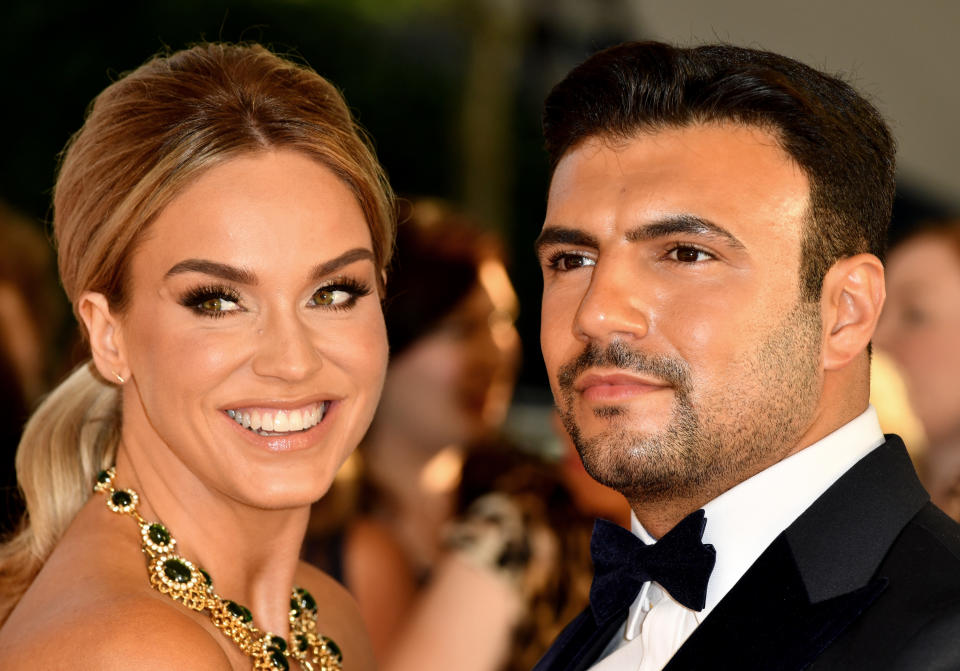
[[451, 90]]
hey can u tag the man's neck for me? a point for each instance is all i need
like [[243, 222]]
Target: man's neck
[[660, 515]]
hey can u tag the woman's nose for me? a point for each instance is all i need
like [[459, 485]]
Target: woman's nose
[[286, 349]]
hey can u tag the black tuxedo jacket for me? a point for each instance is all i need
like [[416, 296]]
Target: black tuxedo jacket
[[868, 577]]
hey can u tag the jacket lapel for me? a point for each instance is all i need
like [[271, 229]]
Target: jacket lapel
[[580, 643], [817, 577], [767, 621]]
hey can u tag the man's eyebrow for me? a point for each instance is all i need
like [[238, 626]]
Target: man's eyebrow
[[554, 235], [345, 259], [688, 224], [221, 270]]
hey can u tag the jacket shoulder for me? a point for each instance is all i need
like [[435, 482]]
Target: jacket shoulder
[[915, 622]]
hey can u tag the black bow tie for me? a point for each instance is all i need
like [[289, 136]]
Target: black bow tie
[[680, 562]]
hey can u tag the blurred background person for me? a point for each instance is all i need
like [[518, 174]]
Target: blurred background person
[[32, 312], [450, 310], [920, 330], [517, 566]]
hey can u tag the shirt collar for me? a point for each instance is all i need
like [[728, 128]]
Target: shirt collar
[[745, 519]]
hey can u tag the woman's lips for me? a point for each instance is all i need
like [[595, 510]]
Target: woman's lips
[[270, 421], [288, 440]]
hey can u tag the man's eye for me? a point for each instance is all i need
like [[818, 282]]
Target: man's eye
[[914, 316], [686, 254], [565, 261]]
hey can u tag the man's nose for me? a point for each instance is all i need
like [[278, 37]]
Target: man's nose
[[287, 349], [615, 305]]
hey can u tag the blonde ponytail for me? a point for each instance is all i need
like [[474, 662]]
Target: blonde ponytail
[[68, 440]]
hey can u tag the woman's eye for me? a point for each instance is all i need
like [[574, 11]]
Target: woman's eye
[[687, 254], [218, 304], [330, 297], [566, 261], [341, 295], [211, 301]]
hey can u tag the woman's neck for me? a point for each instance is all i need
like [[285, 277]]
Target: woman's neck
[[251, 554]]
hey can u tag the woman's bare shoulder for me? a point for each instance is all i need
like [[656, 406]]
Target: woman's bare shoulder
[[140, 633], [338, 617], [92, 607]]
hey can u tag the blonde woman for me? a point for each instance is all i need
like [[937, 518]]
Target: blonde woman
[[223, 231]]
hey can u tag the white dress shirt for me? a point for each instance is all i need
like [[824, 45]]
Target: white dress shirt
[[740, 524]]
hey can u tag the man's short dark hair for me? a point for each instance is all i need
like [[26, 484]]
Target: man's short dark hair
[[838, 138]]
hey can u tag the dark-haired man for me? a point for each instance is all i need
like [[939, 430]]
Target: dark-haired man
[[712, 263]]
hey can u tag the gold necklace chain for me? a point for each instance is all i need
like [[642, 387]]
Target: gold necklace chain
[[189, 584]]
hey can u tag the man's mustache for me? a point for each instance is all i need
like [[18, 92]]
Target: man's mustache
[[617, 354]]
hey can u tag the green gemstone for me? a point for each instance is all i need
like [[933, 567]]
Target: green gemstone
[[158, 534], [307, 600], [206, 576], [238, 611], [103, 477], [121, 499], [278, 661], [177, 571], [334, 649], [302, 643], [295, 607], [278, 643]]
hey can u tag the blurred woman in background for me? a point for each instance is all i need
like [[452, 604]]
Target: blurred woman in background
[[920, 329], [454, 353], [32, 311]]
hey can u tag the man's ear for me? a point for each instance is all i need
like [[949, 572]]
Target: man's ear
[[851, 300], [106, 336]]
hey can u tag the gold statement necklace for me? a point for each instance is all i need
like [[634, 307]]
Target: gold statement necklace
[[182, 581]]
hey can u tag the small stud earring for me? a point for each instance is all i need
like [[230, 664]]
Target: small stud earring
[[119, 377]]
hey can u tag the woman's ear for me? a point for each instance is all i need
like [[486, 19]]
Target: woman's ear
[[851, 300], [106, 337]]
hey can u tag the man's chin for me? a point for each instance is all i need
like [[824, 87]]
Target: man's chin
[[600, 422]]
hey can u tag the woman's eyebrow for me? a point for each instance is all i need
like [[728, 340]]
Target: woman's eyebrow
[[248, 277], [334, 264], [221, 270]]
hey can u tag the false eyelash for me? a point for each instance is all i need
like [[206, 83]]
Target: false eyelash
[[355, 288], [194, 297]]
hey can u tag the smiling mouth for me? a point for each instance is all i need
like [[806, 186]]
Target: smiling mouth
[[275, 422]]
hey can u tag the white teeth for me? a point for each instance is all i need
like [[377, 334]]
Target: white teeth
[[280, 421]]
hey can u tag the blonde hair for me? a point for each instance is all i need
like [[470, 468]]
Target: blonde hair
[[145, 138]]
